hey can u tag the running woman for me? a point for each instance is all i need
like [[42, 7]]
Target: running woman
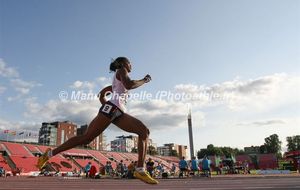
[[113, 111]]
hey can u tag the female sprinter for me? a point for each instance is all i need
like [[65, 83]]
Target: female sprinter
[[113, 111]]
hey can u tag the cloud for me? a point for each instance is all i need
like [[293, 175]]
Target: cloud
[[77, 111], [263, 123], [83, 85], [159, 114], [165, 114], [90, 85], [80, 112], [260, 94], [7, 72], [21, 86], [247, 97], [156, 114]]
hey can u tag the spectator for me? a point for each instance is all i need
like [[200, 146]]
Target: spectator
[[159, 169], [2, 172], [206, 166], [16, 171], [246, 167], [173, 169], [125, 171], [150, 166], [194, 166], [87, 169], [108, 168], [183, 166], [92, 172], [219, 168], [130, 170], [120, 169]]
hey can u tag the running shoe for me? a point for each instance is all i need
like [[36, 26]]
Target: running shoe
[[42, 161], [145, 177]]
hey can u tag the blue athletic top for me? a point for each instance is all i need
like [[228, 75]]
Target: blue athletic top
[[194, 165], [183, 164], [205, 163], [87, 167]]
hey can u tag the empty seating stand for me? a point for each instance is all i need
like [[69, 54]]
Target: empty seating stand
[[99, 156], [15, 149], [4, 164], [24, 157]]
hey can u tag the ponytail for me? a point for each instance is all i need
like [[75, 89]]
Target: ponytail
[[117, 64]]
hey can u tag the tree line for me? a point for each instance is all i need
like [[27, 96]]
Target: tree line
[[272, 145]]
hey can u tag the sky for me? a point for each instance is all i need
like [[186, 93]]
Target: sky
[[234, 63]]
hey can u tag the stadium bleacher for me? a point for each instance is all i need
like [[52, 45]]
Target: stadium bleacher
[[24, 157], [15, 149], [99, 156], [32, 148], [24, 163], [62, 164], [4, 164], [117, 157]]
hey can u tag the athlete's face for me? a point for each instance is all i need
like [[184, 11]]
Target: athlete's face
[[127, 66]]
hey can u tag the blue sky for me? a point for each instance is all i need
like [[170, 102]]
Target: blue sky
[[248, 48]]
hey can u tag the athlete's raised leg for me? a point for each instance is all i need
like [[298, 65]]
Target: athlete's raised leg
[[96, 127]]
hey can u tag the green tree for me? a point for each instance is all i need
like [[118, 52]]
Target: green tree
[[203, 152], [293, 143], [237, 151], [151, 150], [213, 151], [134, 150], [273, 144], [227, 152], [263, 149], [174, 153]]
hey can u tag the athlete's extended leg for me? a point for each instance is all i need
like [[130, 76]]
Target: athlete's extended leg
[[96, 127], [133, 125]]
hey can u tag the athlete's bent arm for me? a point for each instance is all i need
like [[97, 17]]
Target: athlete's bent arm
[[103, 93], [131, 84]]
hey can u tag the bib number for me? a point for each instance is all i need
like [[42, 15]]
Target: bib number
[[106, 108]]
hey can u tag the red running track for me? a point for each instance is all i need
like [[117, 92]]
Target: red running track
[[215, 183]]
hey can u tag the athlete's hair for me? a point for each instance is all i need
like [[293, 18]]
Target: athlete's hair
[[117, 63]]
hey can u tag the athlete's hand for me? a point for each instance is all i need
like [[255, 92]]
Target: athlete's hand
[[147, 78]]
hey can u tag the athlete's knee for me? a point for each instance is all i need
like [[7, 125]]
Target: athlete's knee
[[145, 133]]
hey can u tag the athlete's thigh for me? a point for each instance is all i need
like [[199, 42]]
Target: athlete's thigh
[[98, 125], [130, 124]]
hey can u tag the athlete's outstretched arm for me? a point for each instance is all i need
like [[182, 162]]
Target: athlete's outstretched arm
[[103, 93], [131, 84]]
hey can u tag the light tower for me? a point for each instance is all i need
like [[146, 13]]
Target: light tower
[[191, 133]]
